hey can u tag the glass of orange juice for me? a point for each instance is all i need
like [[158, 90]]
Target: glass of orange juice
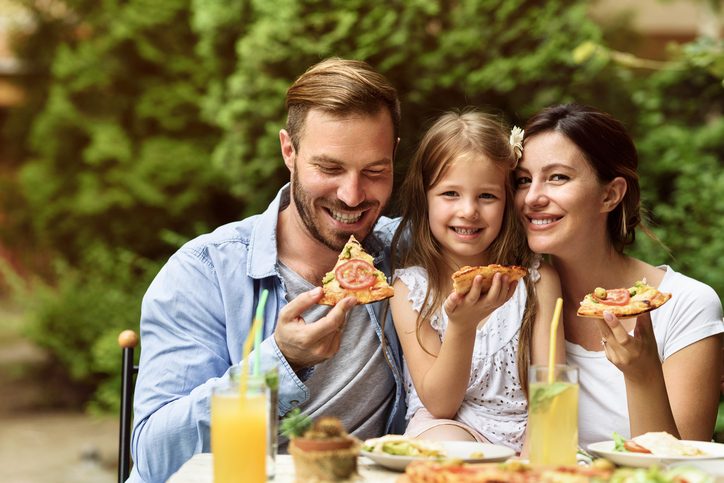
[[239, 432], [553, 415]]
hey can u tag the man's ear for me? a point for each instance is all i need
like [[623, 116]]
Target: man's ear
[[394, 151], [615, 191], [288, 152]]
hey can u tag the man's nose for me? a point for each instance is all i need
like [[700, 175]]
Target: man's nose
[[351, 190]]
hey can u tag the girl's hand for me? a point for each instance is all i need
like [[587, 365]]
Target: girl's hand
[[636, 356], [466, 311]]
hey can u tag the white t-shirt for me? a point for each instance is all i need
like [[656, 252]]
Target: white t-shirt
[[494, 403], [693, 313]]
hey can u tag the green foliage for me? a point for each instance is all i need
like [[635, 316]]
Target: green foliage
[[79, 320], [151, 122]]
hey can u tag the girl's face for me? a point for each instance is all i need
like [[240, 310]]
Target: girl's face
[[558, 195], [466, 209]]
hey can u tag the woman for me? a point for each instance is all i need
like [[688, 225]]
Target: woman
[[579, 197]]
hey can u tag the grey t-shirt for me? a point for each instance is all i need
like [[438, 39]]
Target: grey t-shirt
[[355, 384]]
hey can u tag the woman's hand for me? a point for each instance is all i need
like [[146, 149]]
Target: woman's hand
[[466, 311], [636, 356]]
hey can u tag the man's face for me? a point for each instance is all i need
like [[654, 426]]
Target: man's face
[[341, 174]]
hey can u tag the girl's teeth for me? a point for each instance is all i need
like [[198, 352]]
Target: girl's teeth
[[463, 231], [542, 222], [345, 217]]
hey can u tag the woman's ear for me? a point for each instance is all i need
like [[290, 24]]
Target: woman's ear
[[614, 191]]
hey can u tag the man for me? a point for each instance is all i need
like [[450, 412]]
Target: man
[[339, 145]]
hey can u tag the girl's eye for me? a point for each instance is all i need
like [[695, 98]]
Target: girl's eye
[[487, 196], [450, 193]]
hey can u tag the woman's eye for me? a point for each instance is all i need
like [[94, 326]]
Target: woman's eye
[[523, 180], [559, 177]]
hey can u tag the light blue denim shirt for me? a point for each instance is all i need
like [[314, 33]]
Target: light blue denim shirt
[[195, 318]]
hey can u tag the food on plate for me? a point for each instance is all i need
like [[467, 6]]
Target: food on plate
[[401, 445], [513, 471], [622, 302], [654, 474], [657, 444], [355, 275], [463, 278]]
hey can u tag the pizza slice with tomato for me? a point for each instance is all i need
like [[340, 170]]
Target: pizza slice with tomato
[[355, 275], [622, 302], [463, 278]]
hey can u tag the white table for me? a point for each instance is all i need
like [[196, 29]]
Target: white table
[[199, 469]]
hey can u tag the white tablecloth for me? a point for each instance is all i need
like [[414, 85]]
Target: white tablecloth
[[199, 469]]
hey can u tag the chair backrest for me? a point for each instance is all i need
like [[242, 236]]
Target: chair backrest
[[128, 340]]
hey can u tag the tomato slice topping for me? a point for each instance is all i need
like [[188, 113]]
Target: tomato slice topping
[[355, 275], [634, 447], [617, 296]]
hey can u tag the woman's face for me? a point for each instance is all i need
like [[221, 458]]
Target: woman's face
[[558, 196]]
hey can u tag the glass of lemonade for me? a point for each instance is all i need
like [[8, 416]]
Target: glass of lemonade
[[239, 432], [553, 415]]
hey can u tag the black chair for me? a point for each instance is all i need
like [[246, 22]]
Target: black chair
[[128, 340]]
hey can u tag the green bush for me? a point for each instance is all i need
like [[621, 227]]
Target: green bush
[[79, 320], [152, 122]]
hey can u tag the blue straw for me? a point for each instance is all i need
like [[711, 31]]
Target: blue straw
[[257, 336]]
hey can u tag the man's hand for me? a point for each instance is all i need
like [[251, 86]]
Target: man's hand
[[305, 345]]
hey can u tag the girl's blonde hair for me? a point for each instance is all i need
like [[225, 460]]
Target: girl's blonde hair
[[470, 134]]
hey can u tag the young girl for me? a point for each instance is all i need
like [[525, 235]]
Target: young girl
[[467, 357]]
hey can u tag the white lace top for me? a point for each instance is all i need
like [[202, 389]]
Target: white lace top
[[494, 403]]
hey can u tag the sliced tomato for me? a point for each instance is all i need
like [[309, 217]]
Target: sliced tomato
[[355, 275], [635, 448], [617, 296]]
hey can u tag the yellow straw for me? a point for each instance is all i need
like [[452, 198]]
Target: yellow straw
[[246, 350], [554, 331]]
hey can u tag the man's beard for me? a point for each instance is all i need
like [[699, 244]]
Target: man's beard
[[338, 238]]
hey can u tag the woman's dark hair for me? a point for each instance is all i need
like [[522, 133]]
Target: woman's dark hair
[[611, 153]]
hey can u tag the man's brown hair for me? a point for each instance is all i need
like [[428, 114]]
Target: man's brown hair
[[340, 86]]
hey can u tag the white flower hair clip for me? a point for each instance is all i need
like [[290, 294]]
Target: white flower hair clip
[[516, 141]]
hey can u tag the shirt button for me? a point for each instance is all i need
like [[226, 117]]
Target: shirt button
[[294, 403]]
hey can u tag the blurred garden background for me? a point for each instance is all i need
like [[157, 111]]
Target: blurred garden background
[[128, 127]]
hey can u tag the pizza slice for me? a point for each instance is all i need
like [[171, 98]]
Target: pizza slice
[[622, 302], [463, 278], [512, 471], [355, 275]]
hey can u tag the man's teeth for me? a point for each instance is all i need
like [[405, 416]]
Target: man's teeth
[[346, 217], [463, 231], [542, 222]]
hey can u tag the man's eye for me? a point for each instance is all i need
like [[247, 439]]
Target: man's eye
[[375, 172], [329, 169]]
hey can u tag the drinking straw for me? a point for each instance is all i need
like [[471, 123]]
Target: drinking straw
[[257, 338], [250, 339], [552, 350]]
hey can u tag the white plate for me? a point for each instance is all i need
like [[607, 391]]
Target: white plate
[[604, 449], [456, 449]]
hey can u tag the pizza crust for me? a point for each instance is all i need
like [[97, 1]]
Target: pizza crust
[[646, 299], [334, 292], [427, 471], [463, 278]]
